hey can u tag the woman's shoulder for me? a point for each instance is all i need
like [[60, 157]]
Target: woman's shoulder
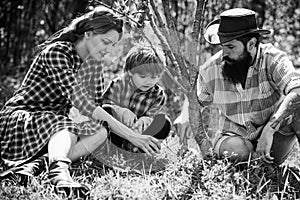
[[61, 50], [60, 46]]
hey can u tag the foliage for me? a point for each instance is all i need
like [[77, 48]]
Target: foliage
[[186, 177]]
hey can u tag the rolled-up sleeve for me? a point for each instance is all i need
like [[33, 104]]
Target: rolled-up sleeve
[[283, 73]]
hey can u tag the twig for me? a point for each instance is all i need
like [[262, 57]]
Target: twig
[[165, 68], [121, 13], [168, 51], [174, 39]]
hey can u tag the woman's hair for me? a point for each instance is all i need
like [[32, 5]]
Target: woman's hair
[[143, 60], [98, 21]]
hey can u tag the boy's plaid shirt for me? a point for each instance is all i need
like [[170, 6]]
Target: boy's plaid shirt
[[246, 111], [123, 93]]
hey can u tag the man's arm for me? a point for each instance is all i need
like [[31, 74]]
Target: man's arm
[[288, 111]]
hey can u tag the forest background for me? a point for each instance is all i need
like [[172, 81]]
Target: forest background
[[26, 23]]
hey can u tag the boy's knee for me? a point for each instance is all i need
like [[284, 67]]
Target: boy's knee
[[236, 148], [163, 126]]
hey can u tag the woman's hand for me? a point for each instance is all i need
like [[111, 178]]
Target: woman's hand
[[142, 124], [147, 143], [264, 144], [126, 116]]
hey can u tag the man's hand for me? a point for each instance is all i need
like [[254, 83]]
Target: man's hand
[[264, 144], [125, 116], [183, 131], [287, 112], [142, 123]]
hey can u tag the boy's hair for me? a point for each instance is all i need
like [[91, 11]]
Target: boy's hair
[[143, 61]]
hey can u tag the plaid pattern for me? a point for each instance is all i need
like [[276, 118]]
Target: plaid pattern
[[123, 93], [39, 108], [90, 75], [246, 111]]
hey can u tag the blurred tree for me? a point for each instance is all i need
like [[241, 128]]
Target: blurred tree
[[26, 23]]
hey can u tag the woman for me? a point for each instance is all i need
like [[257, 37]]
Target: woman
[[36, 117]]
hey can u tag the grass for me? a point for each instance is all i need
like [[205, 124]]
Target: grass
[[181, 177]]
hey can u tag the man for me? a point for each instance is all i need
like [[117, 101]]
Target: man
[[256, 88]]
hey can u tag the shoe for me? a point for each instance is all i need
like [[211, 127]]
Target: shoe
[[20, 174], [59, 175], [34, 168]]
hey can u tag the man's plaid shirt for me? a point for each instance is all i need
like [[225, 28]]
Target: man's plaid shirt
[[246, 111]]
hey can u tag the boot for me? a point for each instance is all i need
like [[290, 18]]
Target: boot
[[34, 168], [20, 174], [59, 175]]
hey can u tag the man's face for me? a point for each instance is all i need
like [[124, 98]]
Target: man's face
[[237, 61]]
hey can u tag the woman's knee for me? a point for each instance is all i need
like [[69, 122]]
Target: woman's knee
[[101, 134], [236, 148]]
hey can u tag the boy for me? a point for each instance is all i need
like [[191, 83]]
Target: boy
[[136, 99]]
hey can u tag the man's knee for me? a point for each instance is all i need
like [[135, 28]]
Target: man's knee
[[236, 148]]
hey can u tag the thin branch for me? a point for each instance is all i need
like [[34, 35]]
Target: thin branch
[[165, 68], [196, 37], [161, 23], [200, 36], [121, 13], [172, 41], [168, 51]]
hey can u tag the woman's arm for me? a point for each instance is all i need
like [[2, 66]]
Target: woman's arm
[[148, 144]]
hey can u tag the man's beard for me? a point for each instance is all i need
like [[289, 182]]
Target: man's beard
[[236, 70]]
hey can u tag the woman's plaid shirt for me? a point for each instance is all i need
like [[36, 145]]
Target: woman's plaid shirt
[[123, 93], [246, 111], [51, 83]]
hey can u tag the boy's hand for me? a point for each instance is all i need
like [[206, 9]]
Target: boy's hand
[[142, 123], [126, 116]]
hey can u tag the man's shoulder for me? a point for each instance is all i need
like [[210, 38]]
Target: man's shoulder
[[270, 50]]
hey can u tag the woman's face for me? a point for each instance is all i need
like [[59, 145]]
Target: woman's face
[[98, 45]]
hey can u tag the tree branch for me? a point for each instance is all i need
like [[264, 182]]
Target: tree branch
[[121, 13], [173, 41], [168, 51], [165, 68]]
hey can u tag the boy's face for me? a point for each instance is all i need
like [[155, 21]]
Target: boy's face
[[144, 82]]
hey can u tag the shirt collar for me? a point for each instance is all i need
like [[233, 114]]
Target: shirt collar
[[257, 58]]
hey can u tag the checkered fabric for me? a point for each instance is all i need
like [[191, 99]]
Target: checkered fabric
[[39, 108], [122, 92], [246, 111], [90, 75]]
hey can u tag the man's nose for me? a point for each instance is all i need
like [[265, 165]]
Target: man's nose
[[225, 53]]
